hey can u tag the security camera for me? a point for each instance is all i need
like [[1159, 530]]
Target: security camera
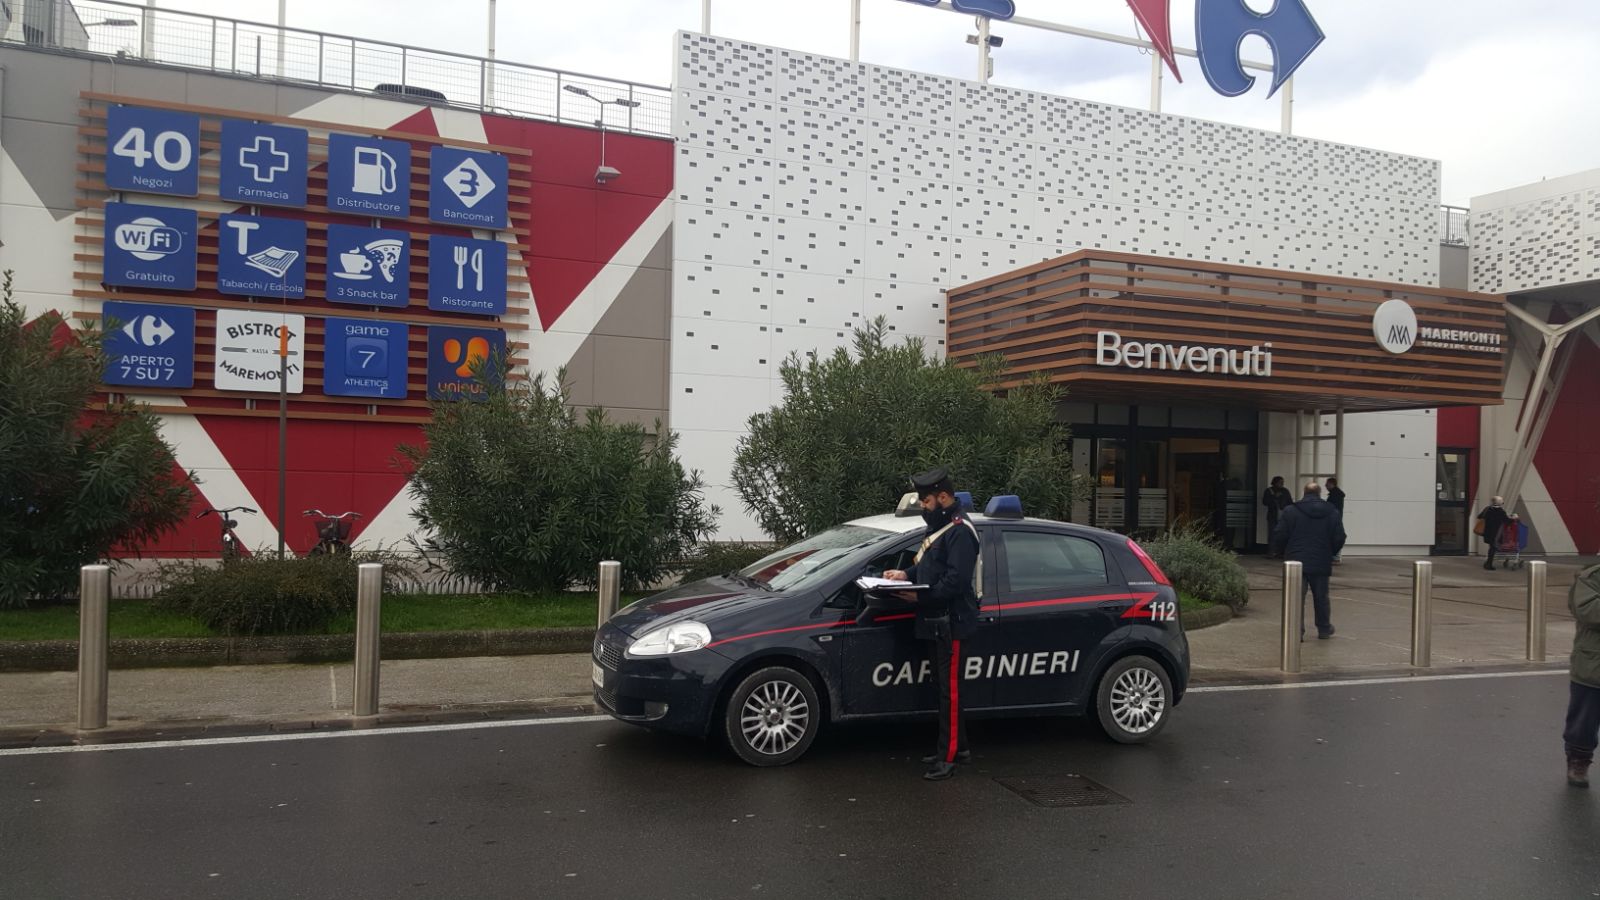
[[605, 174]]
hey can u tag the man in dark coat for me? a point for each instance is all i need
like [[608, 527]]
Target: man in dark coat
[[1494, 518], [1583, 708], [1275, 498], [947, 611], [1336, 497], [1312, 533]]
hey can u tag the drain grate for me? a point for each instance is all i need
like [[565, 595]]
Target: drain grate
[[1062, 791]]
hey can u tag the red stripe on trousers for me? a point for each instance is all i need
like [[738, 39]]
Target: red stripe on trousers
[[955, 699]]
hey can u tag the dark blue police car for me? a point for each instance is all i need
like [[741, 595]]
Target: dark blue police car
[[1074, 620]]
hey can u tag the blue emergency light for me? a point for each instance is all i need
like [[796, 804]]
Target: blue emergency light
[[1005, 506]]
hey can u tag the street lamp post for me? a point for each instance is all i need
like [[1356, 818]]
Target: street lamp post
[[604, 173]]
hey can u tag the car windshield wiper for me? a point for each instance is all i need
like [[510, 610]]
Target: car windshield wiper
[[748, 581]]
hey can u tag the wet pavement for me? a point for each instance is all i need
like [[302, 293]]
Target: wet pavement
[[1449, 788]]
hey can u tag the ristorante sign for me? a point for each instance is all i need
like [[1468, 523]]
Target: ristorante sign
[[1220, 26]]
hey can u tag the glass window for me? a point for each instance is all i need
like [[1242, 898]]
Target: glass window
[[814, 557], [1042, 562]]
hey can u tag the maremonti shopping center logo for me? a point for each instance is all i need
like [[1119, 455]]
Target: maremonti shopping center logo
[[1397, 330], [1220, 27]]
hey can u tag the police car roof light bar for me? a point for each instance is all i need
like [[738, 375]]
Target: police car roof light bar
[[1005, 506], [965, 499], [908, 506]]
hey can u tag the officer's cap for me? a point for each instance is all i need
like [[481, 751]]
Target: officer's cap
[[932, 482]]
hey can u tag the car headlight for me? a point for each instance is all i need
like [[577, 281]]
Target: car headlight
[[679, 637]]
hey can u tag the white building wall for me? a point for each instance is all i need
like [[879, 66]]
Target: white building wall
[[1539, 235], [814, 194]]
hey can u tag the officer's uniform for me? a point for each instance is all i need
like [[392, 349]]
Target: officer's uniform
[[947, 611]]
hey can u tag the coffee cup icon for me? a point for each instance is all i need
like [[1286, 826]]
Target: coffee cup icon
[[356, 264]]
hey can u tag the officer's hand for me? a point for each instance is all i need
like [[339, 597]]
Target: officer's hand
[[894, 575]]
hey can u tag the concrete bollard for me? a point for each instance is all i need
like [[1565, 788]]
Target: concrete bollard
[[1422, 613], [1293, 614], [369, 605], [1536, 618], [94, 645], [610, 584]]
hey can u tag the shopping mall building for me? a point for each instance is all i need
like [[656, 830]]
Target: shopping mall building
[[1222, 304]]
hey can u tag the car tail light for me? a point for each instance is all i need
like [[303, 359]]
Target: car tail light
[[1149, 564]]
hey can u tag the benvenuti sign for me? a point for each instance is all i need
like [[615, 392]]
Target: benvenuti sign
[[1112, 351]]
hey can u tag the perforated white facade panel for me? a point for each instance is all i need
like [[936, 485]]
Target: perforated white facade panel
[[1537, 236], [813, 194]]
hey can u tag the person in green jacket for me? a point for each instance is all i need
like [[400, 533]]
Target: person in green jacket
[[1583, 709]]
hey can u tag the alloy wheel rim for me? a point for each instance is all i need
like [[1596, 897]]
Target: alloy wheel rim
[[1138, 701], [774, 718]]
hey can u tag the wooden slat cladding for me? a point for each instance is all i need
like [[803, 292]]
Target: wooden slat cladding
[[1204, 333]]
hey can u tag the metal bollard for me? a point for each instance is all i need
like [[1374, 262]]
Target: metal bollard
[[1293, 614], [369, 604], [1536, 620], [94, 644], [610, 589], [1422, 613]]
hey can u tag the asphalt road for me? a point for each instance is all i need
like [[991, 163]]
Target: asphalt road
[[1422, 789]]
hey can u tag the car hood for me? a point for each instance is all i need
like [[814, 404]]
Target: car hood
[[710, 600]]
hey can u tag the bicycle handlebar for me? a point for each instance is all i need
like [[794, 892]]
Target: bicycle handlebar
[[224, 512], [320, 514]]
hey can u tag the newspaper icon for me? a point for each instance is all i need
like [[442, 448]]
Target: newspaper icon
[[275, 261]]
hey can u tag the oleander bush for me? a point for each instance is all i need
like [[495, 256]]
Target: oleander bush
[[261, 594], [1197, 564], [722, 558]]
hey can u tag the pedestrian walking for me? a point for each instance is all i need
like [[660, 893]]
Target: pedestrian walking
[[1583, 708], [1336, 497], [947, 611], [1312, 534], [1275, 498], [1494, 517]]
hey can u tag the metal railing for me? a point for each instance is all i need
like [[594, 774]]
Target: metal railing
[[1453, 225], [216, 44]]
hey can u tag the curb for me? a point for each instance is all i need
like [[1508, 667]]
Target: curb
[[147, 653], [1205, 618]]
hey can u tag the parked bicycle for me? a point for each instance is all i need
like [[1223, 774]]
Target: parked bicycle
[[230, 541], [333, 532]]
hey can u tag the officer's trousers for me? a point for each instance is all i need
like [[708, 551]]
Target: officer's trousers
[[946, 654]]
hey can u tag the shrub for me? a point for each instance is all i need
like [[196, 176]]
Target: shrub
[[521, 493], [74, 483], [853, 428], [262, 594], [720, 559], [1197, 564]]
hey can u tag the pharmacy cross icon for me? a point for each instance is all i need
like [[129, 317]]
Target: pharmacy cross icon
[[469, 182], [264, 160]]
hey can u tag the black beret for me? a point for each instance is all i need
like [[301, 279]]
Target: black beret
[[932, 482]]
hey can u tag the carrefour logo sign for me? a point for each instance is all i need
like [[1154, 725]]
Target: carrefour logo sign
[[1220, 26], [1395, 325]]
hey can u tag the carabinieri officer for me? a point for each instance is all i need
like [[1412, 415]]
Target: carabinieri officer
[[947, 611]]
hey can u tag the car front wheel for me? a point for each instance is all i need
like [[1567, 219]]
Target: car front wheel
[[1133, 700], [772, 716]]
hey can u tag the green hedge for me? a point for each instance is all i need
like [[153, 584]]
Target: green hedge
[[722, 558], [262, 594], [1200, 566]]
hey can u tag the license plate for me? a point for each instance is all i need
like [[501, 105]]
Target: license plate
[[599, 675]]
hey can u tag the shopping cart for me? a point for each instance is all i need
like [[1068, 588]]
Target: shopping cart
[[1512, 541]]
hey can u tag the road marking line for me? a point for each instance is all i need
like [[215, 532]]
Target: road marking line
[[1357, 682], [303, 736]]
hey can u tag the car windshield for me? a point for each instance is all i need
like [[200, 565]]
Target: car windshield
[[815, 557]]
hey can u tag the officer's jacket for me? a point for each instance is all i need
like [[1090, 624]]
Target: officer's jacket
[[947, 566]]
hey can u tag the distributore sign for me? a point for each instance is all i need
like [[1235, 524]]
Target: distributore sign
[[1220, 26]]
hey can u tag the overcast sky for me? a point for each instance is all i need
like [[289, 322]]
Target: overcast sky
[[1505, 93]]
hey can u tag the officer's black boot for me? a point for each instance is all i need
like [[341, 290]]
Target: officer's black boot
[[962, 756], [940, 771], [1577, 772]]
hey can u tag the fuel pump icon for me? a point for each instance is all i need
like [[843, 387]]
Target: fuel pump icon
[[373, 172]]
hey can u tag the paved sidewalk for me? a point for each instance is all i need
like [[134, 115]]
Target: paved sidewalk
[[1478, 615]]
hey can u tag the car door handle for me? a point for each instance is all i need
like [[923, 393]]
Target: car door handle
[[1112, 604]]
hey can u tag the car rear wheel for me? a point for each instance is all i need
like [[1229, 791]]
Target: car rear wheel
[[1133, 700], [772, 716]]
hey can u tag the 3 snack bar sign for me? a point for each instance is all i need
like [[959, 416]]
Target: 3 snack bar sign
[[1220, 26]]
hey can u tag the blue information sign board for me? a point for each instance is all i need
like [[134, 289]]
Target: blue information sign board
[[148, 344], [364, 358], [369, 176], [451, 352], [152, 150], [369, 266], [466, 275], [263, 164], [467, 187], [150, 246], [261, 257]]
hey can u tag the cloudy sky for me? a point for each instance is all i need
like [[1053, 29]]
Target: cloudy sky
[[1505, 93]]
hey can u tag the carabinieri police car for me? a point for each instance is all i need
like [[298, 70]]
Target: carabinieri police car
[[1073, 620]]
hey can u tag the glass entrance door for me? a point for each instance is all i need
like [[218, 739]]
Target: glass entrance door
[[1450, 531], [1198, 482]]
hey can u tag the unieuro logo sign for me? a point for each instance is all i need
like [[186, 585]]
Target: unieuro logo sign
[[1220, 27], [1111, 351], [1395, 326]]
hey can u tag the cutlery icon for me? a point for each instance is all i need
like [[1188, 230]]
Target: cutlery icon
[[459, 254], [477, 267]]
